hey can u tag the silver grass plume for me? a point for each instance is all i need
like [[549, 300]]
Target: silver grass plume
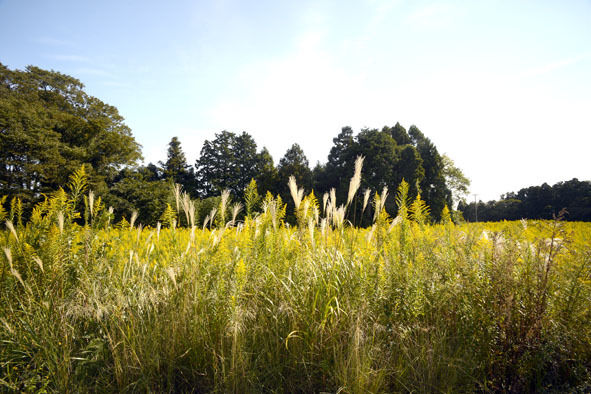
[[384, 197], [296, 193], [185, 203], [355, 180], [338, 216], [110, 211], [396, 221], [305, 208], [236, 208], [223, 203], [8, 256], [11, 228], [324, 201], [39, 263], [212, 214], [365, 199], [379, 203], [333, 197], [91, 202], [177, 196], [60, 221], [133, 218]]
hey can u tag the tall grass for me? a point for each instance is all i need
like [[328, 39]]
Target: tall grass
[[258, 306]]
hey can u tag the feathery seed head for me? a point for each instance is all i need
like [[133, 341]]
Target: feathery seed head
[[236, 208], [296, 193], [324, 201], [355, 180], [60, 221], [365, 199], [11, 228], [133, 218], [177, 195], [91, 202]]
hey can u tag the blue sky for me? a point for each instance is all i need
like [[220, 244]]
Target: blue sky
[[502, 87]]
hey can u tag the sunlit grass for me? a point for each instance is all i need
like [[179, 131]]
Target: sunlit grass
[[258, 306]]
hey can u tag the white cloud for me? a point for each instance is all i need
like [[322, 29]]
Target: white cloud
[[433, 16]]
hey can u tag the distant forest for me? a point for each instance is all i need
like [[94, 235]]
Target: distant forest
[[49, 127], [535, 202]]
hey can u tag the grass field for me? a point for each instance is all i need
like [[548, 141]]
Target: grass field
[[258, 306]]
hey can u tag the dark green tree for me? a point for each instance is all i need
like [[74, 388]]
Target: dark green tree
[[399, 134], [49, 127], [381, 156], [339, 166], [230, 161], [247, 162], [216, 165], [176, 168], [434, 189], [268, 177], [295, 163], [136, 189], [410, 168]]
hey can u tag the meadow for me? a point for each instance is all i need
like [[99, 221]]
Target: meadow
[[260, 306]]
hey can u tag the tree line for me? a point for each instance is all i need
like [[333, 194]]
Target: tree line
[[535, 202], [49, 127]]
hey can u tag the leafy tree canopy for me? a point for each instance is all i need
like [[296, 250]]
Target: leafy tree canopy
[[49, 127]]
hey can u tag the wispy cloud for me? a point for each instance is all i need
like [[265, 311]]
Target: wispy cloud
[[553, 66], [93, 71], [71, 58], [52, 41], [116, 84]]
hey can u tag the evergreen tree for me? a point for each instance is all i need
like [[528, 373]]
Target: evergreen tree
[[216, 167], [295, 163], [340, 163], [176, 168], [247, 163], [410, 168], [268, 177], [400, 135], [434, 189], [230, 161]]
